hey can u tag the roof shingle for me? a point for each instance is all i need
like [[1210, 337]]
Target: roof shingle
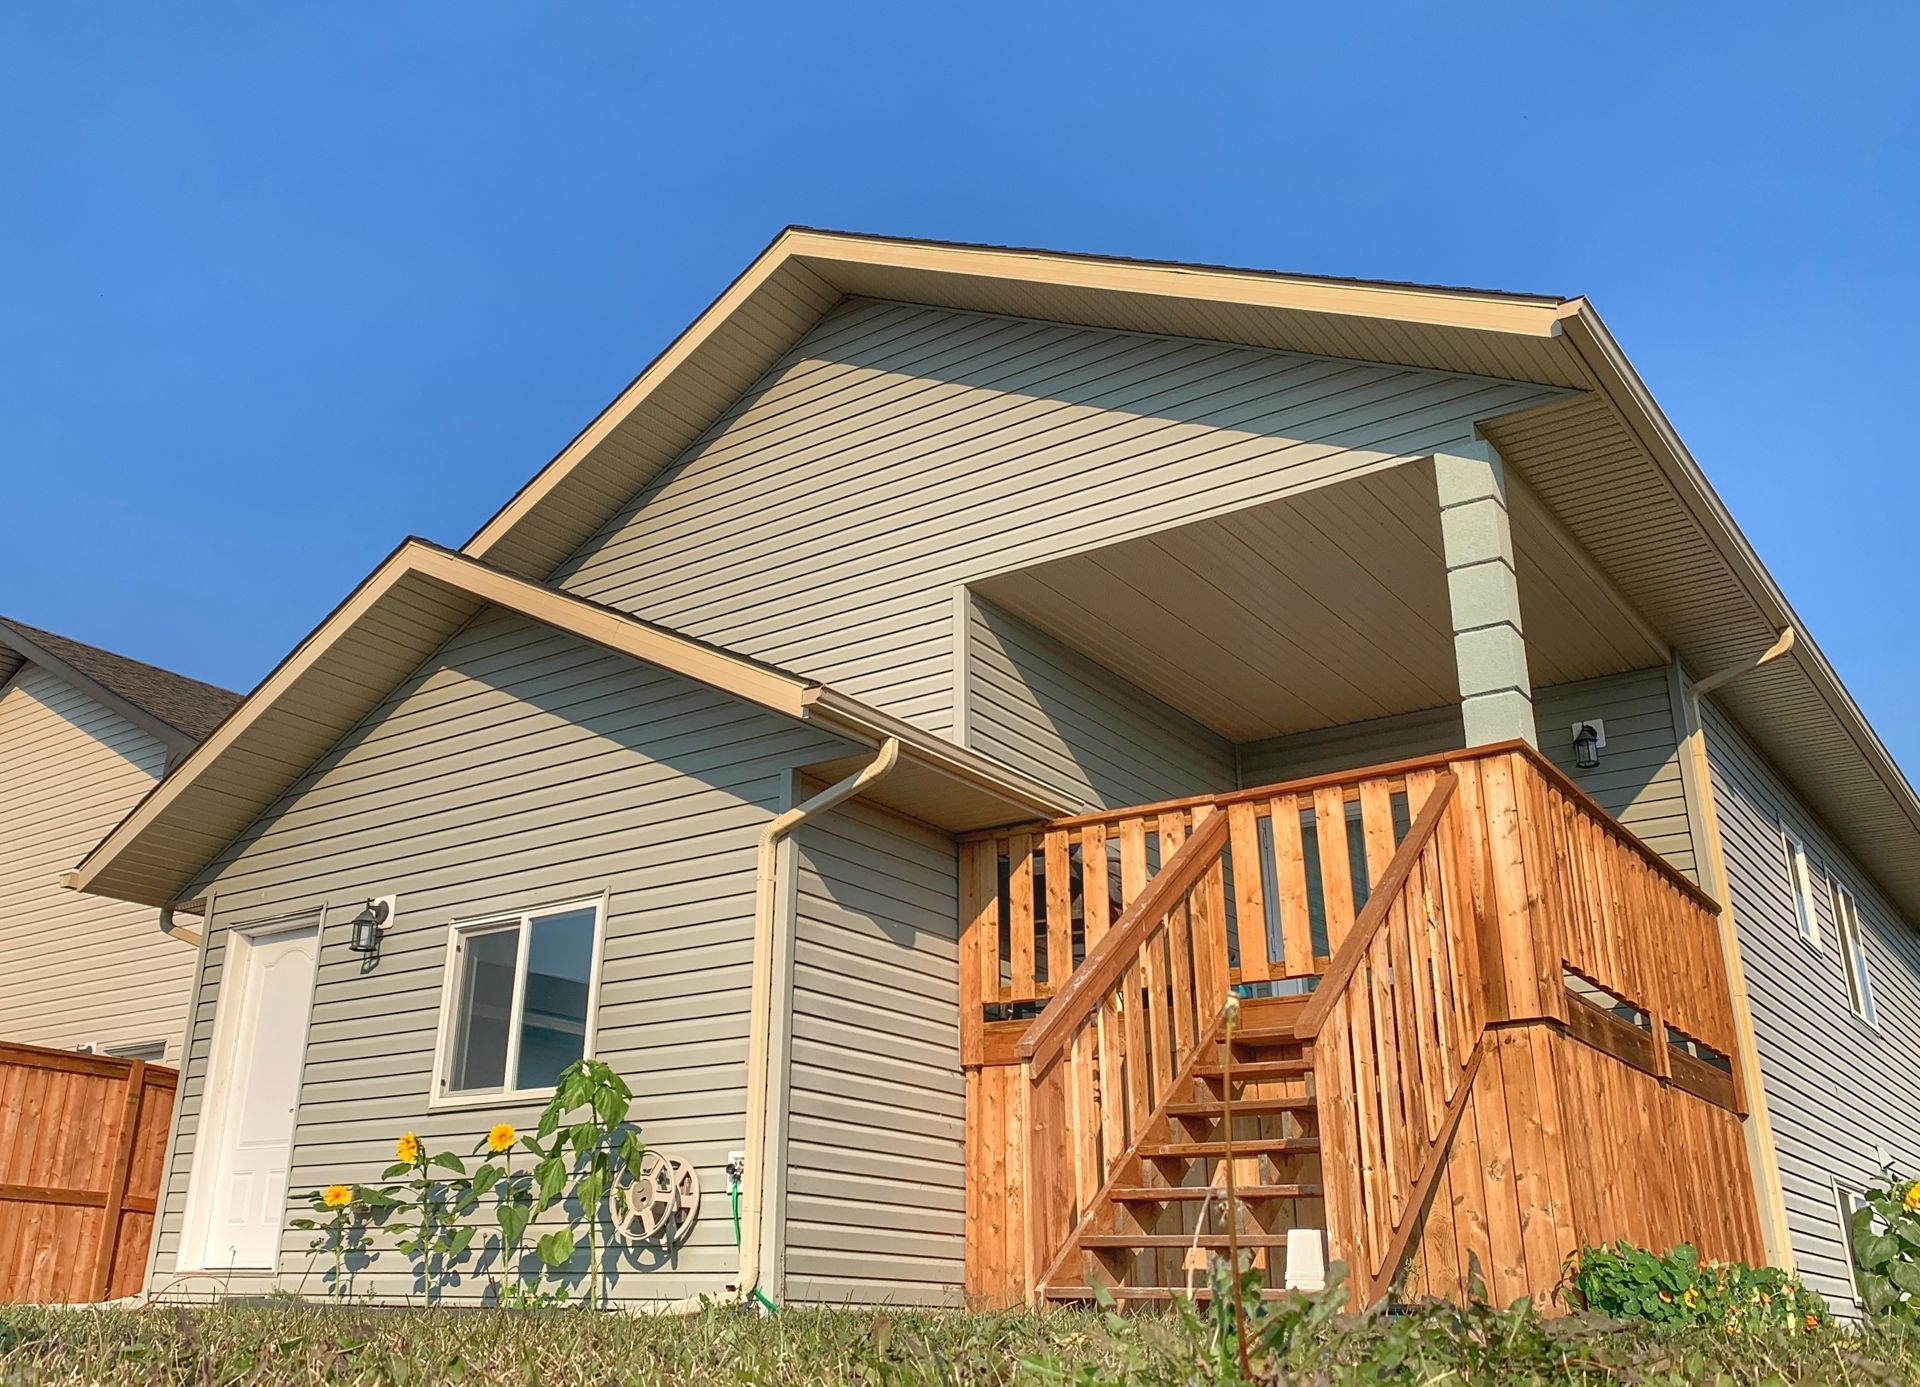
[[187, 705]]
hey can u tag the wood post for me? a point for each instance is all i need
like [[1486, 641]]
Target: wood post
[[110, 1215]]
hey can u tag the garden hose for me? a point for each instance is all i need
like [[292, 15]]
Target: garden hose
[[733, 1195]]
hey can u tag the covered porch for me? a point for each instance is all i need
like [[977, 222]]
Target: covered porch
[[1458, 950], [1415, 608]]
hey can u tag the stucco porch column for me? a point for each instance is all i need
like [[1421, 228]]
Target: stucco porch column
[[1496, 695]]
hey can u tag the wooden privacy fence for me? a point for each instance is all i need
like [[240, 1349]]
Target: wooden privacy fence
[[1424, 904], [82, 1140]]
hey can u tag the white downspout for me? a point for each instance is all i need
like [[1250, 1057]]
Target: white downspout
[[761, 1019], [173, 929]]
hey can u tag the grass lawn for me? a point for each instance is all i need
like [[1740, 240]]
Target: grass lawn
[[1293, 1342]]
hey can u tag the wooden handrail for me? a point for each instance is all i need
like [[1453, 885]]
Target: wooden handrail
[[1373, 917], [1101, 968], [1254, 794]]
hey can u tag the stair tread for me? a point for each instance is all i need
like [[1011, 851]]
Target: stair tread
[[1170, 1194], [1242, 1146], [1248, 1106], [1164, 1240], [1266, 1035], [1253, 1070]]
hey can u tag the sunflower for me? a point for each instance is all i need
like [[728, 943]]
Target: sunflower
[[1912, 1199], [501, 1136], [337, 1196], [407, 1149]]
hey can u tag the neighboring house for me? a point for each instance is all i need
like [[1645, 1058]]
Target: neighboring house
[[84, 733], [1040, 561]]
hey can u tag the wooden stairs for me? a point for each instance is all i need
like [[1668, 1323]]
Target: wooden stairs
[[1167, 1195], [1434, 907]]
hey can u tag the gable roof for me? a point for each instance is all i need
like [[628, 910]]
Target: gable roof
[[405, 610], [177, 710], [1605, 459]]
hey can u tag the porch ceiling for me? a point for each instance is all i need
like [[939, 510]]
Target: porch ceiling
[[1322, 609]]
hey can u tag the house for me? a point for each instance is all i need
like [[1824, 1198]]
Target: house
[[84, 733], [892, 730]]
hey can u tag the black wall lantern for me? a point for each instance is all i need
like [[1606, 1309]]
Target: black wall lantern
[[1586, 746], [367, 927]]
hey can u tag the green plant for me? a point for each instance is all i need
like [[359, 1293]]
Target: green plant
[[1677, 1288], [580, 1159], [425, 1213], [1886, 1248], [340, 1225], [513, 1195], [1295, 1340]]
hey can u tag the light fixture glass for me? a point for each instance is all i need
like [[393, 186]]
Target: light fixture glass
[[1586, 747], [366, 928]]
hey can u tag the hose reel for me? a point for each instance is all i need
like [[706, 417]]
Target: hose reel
[[659, 1205]]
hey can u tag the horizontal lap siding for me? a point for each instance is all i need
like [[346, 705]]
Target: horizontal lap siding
[[876, 1126], [519, 767], [1053, 714], [78, 970], [1842, 1098], [1370, 743], [898, 451], [1638, 780]]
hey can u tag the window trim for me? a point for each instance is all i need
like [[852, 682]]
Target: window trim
[[439, 1099], [1851, 937], [128, 1050], [1845, 1192], [1806, 910]]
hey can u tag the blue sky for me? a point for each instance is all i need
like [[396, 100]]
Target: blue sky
[[285, 283]]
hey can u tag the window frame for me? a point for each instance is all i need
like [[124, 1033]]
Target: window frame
[[1806, 910], [135, 1050], [1850, 935], [1848, 1197], [439, 1096]]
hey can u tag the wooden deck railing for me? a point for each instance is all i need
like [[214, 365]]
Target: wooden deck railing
[[1296, 872], [1396, 1027], [1104, 1056], [1428, 900]]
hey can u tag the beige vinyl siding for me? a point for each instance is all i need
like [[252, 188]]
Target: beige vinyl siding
[[898, 451], [1638, 780], [875, 1145], [519, 767], [1842, 1096], [1043, 709], [76, 970], [1371, 743]]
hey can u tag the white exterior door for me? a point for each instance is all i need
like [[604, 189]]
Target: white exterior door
[[262, 1052]]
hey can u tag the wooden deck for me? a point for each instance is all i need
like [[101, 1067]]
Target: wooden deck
[[1464, 961]]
